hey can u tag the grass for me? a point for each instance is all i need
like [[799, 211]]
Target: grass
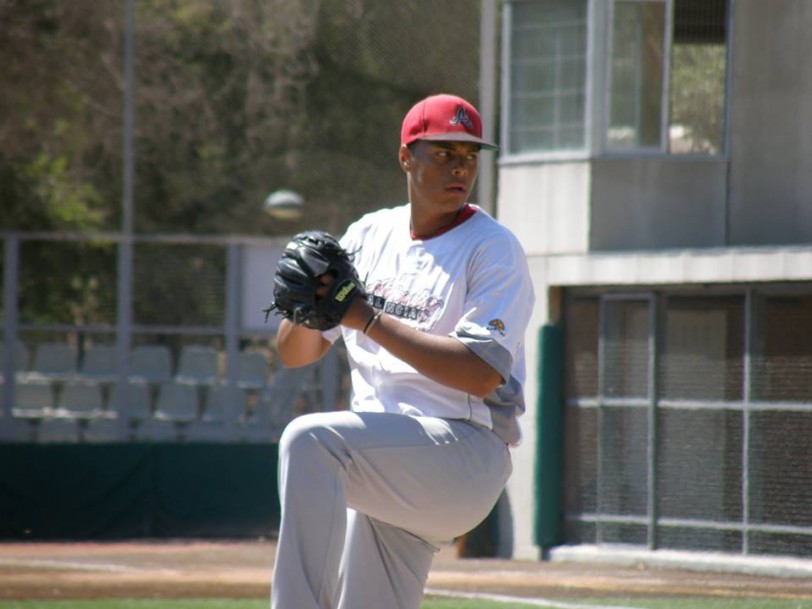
[[444, 603], [430, 603], [699, 603], [223, 604]]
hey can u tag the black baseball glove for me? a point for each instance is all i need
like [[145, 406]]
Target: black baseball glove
[[307, 257]]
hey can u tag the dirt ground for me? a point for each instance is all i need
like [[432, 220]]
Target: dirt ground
[[243, 569]]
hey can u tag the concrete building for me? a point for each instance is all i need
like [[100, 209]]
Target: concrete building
[[654, 163]]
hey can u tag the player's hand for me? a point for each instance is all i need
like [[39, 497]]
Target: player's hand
[[359, 311]]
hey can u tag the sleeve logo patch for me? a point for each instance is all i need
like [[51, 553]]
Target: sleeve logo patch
[[497, 325]]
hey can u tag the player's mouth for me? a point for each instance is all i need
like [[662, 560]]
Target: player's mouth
[[457, 188]]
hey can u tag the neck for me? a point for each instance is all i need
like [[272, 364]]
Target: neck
[[433, 227]]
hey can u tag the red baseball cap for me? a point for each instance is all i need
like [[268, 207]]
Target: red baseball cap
[[443, 118]]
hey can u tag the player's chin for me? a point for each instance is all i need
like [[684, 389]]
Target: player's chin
[[455, 196]]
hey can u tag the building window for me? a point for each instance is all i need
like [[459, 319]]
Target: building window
[[547, 74], [658, 82], [641, 62], [636, 67], [698, 76]]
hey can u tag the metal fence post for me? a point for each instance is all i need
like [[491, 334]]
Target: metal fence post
[[232, 335], [11, 260], [124, 296]]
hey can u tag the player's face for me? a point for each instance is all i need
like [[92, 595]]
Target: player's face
[[441, 173]]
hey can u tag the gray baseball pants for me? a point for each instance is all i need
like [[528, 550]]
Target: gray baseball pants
[[368, 498]]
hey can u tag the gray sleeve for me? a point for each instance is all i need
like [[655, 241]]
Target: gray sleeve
[[490, 351], [506, 403]]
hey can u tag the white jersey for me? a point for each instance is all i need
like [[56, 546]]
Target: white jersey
[[471, 282]]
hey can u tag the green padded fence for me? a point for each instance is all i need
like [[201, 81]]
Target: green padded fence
[[549, 433], [116, 491]]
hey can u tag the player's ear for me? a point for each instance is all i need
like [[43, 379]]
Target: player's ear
[[405, 158]]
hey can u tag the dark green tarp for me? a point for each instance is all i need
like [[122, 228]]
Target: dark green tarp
[[116, 491]]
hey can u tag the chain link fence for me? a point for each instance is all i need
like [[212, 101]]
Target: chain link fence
[[687, 419]]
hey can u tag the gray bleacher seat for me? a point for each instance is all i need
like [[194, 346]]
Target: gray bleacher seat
[[79, 402], [198, 365], [150, 363], [83, 401], [35, 402], [80, 399], [63, 431], [177, 402], [252, 370], [211, 426], [290, 386], [214, 410], [18, 430], [176, 407], [99, 363], [54, 361], [287, 396], [21, 357], [34, 398], [133, 401], [258, 426]]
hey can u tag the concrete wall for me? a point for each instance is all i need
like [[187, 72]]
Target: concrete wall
[[546, 205], [616, 204], [770, 125], [657, 203]]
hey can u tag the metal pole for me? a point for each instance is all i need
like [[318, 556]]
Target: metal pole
[[11, 252], [125, 247], [488, 86], [652, 435], [129, 117], [747, 396], [600, 470], [232, 329]]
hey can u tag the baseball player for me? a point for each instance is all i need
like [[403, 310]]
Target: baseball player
[[435, 342]]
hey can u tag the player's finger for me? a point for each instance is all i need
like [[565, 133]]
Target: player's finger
[[325, 281]]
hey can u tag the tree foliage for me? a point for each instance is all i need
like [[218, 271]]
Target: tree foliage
[[234, 99], [698, 95]]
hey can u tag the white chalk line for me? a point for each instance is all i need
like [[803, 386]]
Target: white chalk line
[[72, 565], [519, 600]]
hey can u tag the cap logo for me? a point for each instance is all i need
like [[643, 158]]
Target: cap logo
[[461, 118]]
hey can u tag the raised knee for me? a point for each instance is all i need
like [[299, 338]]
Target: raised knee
[[309, 444], [301, 433]]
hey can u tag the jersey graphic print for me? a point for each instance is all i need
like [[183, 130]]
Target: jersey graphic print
[[421, 307]]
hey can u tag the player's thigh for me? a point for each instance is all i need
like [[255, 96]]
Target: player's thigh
[[433, 477]]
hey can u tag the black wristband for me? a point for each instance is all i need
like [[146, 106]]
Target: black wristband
[[371, 321]]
